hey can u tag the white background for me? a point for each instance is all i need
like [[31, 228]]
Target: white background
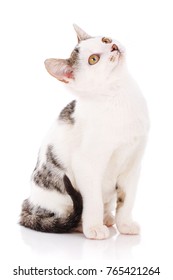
[[32, 31]]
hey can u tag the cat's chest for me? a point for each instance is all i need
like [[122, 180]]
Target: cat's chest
[[120, 118]]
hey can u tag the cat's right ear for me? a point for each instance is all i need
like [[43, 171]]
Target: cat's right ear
[[60, 69], [81, 34]]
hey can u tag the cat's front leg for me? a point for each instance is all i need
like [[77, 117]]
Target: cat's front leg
[[88, 173], [126, 192], [109, 218]]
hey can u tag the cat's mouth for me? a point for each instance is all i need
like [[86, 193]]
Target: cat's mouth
[[115, 56]]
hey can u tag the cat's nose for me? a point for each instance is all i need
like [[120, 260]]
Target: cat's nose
[[114, 48]]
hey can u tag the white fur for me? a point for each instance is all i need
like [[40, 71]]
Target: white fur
[[51, 200], [105, 145]]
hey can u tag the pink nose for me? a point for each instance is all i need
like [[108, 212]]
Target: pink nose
[[114, 48]]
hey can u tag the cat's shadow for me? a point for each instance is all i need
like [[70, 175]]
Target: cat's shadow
[[76, 247]]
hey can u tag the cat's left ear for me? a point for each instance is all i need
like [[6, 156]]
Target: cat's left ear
[[81, 34], [60, 69]]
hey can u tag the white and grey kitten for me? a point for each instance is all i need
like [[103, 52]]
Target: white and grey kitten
[[89, 163]]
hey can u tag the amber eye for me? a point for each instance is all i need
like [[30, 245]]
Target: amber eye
[[106, 40], [93, 59]]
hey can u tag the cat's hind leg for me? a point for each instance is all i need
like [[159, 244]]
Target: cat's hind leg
[[54, 204], [50, 211]]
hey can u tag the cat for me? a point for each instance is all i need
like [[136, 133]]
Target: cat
[[89, 163]]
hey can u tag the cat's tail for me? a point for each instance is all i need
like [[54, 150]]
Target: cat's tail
[[42, 220]]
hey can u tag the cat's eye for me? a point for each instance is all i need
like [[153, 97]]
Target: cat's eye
[[93, 59], [106, 40]]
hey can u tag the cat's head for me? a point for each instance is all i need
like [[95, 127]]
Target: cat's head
[[94, 63]]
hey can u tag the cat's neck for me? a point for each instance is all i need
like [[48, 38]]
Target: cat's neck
[[115, 84]]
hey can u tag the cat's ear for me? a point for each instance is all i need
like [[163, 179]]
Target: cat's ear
[[81, 34], [60, 69]]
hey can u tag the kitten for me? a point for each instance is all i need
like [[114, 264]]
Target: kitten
[[89, 163]]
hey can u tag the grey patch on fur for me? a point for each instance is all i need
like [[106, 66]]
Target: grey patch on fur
[[50, 174], [31, 217], [51, 158], [43, 213], [47, 178], [120, 197], [66, 113], [74, 57]]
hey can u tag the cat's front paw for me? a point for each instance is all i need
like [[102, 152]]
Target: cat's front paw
[[109, 220], [97, 232], [130, 227]]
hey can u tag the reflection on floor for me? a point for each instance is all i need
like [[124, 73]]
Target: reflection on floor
[[76, 246]]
